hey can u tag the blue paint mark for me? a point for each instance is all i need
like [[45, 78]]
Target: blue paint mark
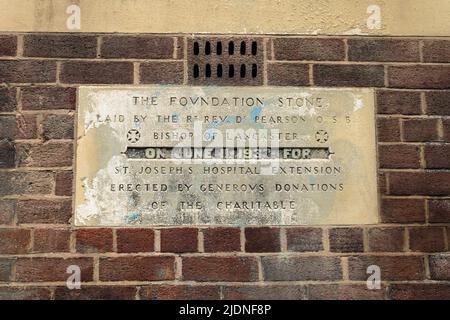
[[133, 217]]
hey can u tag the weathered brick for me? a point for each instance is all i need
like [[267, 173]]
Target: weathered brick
[[304, 239], [179, 292], [236, 269], [51, 269], [346, 240], [7, 154], [31, 182], [399, 156], [398, 102], [285, 268], [7, 211], [179, 240], [264, 292], [431, 183], [326, 49], [50, 154], [41, 98], [8, 45], [348, 75], [388, 130], [162, 72], [222, 239], [26, 127], [137, 268], [262, 239], [344, 292], [420, 130], [84, 72], [96, 293], [436, 51], [439, 210], [44, 211], [392, 268], [51, 240], [438, 102], [25, 293], [288, 74], [27, 71], [138, 47], [385, 239], [7, 127], [426, 239], [382, 183], [402, 210], [436, 156], [60, 46], [64, 181], [58, 126], [419, 76], [6, 266], [372, 49], [8, 102], [94, 240], [446, 129], [440, 267], [135, 240], [419, 291]]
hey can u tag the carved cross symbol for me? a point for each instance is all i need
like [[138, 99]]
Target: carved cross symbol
[[321, 136], [133, 136]]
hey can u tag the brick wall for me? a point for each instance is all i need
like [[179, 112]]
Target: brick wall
[[39, 75]]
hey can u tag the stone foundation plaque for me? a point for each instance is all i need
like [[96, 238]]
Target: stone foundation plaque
[[166, 155]]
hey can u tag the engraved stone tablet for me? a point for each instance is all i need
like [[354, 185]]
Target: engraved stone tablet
[[166, 155]]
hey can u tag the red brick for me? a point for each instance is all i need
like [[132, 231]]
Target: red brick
[[41, 98], [51, 240], [436, 51], [8, 101], [348, 75], [50, 154], [392, 268], [437, 156], [64, 181], [7, 211], [262, 239], [420, 130], [344, 292], [25, 293], [419, 76], [27, 71], [138, 47], [179, 240], [264, 292], [385, 239], [179, 292], [135, 240], [439, 210], [440, 267], [304, 239], [162, 72], [7, 155], [236, 269], [426, 239], [399, 156], [446, 127], [58, 126], [431, 183], [137, 268], [51, 269], [288, 74], [398, 102], [8, 45], [14, 241], [32, 182], [371, 49], [388, 130], [26, 127], [222, 239], [180, 48], [60, 46], [84, 72], [94, 240], [438, 102], [96, 293], [346, 240], [44, 211], [6, 266], [309, 49], [419, 291], [382, 183], [402, 210], [287, 268]]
